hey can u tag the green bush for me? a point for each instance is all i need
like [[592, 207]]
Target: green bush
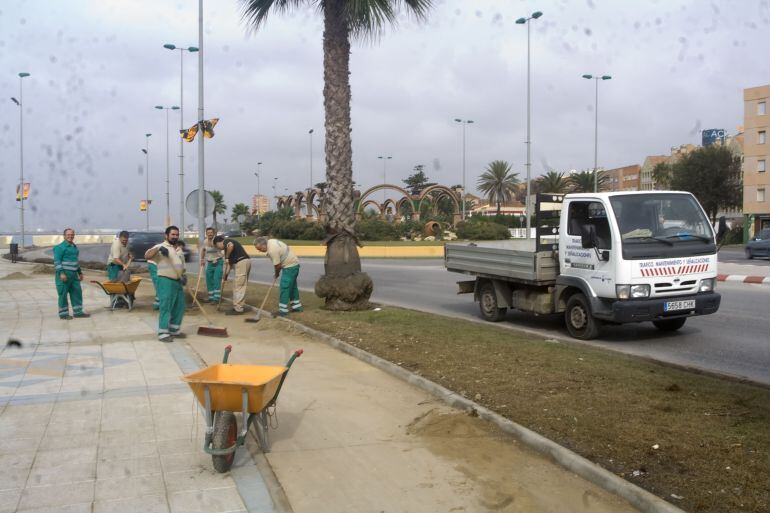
[[482, 230], [377, 229]]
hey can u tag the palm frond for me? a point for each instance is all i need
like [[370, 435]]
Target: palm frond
[[254, 12], [367, 19]]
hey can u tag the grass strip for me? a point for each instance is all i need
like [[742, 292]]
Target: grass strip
[[696, 440]]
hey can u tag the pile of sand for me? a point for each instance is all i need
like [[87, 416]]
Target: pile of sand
[[42, 269], [15, 276]]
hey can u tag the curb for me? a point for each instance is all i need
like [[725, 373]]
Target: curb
[[603, 478], [742, 278]]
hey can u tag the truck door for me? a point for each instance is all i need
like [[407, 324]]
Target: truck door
[[589, 263]]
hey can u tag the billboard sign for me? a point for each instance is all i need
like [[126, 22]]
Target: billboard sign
[[712, 135]]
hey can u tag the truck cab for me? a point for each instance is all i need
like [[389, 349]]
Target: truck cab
[[635, 256]]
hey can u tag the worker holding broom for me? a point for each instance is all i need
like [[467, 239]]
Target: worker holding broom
[[169, 259], [119, 258], [68, 276], [235, 258], [213, 258], [285, 265]]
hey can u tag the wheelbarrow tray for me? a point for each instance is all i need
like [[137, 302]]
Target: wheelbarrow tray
[[119, 287], [226, 383]]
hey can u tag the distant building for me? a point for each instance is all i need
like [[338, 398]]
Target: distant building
[[260, 204], [646, 180], [756, 155], [512, 208], [625, 178]]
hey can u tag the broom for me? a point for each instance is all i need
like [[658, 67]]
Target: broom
[[210, 330], [257, 317]]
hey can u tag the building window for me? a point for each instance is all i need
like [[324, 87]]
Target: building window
[[762, 137], [761, 109], [761, 195], [761, 166]]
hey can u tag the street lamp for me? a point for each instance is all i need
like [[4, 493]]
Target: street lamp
[[535, 15], [146, 151], [385, 160], [596, 79], [258, 174], [463, 122], [20, 104], [168, 164], [275, 181], [310, 135], [190, 49]]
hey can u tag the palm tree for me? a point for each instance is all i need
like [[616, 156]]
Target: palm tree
[[498, 183], [553, 182], [238, 209], [219, 205], [343, 286], [583, 181]]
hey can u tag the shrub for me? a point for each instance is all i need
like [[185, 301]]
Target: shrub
[[376, 229], [484, 230]]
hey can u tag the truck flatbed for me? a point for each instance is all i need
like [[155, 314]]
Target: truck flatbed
[[512, 260]]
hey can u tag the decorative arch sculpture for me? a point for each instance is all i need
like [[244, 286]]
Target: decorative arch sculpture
[[443, 190], [406, 196]]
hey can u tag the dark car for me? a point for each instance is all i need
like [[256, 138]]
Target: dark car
[[759, 246], [232, 233], [140, 242]]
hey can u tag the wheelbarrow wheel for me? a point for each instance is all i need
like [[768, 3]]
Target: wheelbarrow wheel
[[225, 435]]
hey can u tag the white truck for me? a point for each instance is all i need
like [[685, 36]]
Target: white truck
[[599, 258]]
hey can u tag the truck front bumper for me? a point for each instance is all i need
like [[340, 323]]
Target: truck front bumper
[[637, 310]]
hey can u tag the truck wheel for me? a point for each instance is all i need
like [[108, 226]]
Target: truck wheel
[[580, 323], [488, 303], [670, 324]]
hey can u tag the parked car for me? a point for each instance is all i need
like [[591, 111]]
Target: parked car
[[140, 242], [232, 233], [759, 246]]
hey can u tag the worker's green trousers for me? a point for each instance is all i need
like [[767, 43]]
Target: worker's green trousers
[[112, 271], [70, 287], [289, 293], [214, 279], [154, 277], [171, 295]]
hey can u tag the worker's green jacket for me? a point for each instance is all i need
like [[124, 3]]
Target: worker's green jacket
[[65, 258]]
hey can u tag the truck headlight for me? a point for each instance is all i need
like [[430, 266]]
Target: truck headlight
[[706, 285], [640, 291], [623, 291]]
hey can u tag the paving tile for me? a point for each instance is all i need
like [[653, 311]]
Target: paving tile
[[9, 499], [70, 441], [63, 466], [16, 445], [200, 479], [126, 488], [121, 469], [146, 504], [83, 507], [217, 500], [14, 469], [127, 452], [186, 461], [57, 495], [129, 437]]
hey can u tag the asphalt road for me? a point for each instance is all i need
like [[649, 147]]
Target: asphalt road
[[736, 256], [735, 340]]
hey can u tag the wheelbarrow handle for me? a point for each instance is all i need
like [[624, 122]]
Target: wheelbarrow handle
[[228, 349], [296, 354]]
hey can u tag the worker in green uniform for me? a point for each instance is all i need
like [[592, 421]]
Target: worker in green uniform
[[170, 282], [68, 276], [213, 258], [285, 265], [119, 258]]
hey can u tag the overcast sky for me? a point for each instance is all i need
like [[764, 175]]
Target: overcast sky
[[98, 67]]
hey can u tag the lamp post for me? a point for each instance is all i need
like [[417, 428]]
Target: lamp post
[[310, 135], [190, 49], [258, 174], [535, 15], [20, 103], [168, 164], [201, 179], [385, 160], [596, 79], [146, 151], [275, 181], [464, 123]]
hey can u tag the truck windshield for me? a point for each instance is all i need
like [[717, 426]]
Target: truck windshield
[[662, 225]]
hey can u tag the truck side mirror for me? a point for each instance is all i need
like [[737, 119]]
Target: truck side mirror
[[588, 236], [722, 228]]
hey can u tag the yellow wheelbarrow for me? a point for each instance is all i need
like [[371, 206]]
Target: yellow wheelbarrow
[[225, 388], [118, 290]]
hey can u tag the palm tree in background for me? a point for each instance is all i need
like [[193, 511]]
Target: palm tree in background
[[343, 286], [498, 183], [553, 182], [219, 205], [583, 181]]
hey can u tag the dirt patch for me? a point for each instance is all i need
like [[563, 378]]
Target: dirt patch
[[15, 276], [695, 440], [42, 269]]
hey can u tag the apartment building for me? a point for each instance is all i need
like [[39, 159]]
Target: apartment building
[[756, 155], [259, 204], [646, 180], [626, 178]]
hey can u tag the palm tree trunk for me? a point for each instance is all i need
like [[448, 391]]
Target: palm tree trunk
[[498, 208], [343, 286]]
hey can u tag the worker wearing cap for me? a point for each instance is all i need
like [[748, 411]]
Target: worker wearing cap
[[119, 258], [213, 258], [285, 265], [169, 259], [68, 276]]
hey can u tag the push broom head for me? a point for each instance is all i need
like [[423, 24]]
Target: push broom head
[[212, 331]]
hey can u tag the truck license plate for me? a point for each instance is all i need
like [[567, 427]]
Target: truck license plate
[[670, 306]]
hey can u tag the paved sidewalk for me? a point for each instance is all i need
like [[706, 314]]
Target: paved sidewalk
[[93, 416], [744, 273]]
